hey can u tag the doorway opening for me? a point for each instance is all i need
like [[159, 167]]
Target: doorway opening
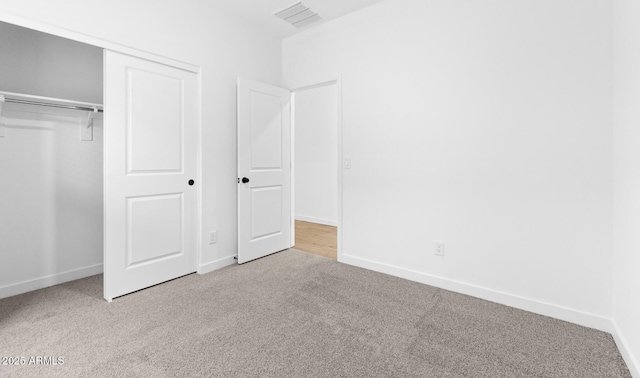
[[317, 172], [51, 159]]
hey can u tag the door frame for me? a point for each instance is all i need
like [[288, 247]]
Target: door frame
[[107, 45], [318, 84]]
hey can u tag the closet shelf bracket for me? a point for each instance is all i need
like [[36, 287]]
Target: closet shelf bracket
[[86, 130], [1, 120]]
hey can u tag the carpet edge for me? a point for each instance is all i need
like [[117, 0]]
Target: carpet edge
[[582, 318], [50, 280]]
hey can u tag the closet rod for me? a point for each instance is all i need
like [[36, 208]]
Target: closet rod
[[21, 98], [17, 101]]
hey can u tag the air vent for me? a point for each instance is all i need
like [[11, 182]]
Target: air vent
[[298, 15]]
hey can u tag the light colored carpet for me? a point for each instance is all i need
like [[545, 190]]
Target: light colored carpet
[[292, 314]]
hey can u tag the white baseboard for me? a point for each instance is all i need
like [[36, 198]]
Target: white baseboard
[[217, 264], [51, 280], [623, 347], [547, 309], [327, 222]]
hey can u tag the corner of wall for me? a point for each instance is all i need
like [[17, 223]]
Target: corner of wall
[[625, 350], [217, 264]]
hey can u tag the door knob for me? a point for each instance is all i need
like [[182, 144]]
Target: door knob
[[191, 182], [245, 180]]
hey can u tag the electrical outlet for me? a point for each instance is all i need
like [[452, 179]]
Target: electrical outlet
[[439, 250], [213, 237]]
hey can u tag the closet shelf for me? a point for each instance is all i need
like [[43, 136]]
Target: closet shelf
[[21, 98]]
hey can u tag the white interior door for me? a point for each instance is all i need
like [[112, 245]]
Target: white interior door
[[150, 140], [264, 170]]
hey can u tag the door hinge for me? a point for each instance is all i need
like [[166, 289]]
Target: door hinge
[[238, 180]]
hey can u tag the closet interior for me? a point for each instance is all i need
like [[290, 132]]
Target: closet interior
[[51, 160]]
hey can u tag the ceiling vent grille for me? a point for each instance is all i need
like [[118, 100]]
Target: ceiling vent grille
[[298, 15]]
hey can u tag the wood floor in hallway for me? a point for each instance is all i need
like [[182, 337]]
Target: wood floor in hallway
[[317, 239]]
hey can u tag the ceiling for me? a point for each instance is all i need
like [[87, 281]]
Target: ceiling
[[260, 12]]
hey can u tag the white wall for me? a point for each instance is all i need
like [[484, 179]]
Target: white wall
[[51, 199], [316, 155], [626, 267], [483, 124], [195, 32], [41, 64], [51, 182]]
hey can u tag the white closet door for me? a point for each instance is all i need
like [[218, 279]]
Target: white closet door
[[150, 136]]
